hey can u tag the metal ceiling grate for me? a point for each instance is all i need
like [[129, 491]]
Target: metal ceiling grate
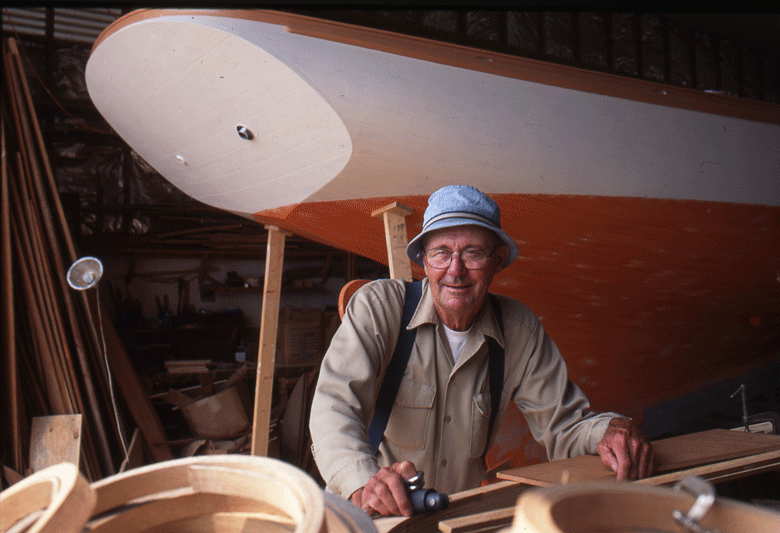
[[70, 25]]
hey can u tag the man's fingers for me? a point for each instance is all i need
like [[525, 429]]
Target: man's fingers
[[625, 450], [622, 450], [646, 459], [405, 469], [385, 493]]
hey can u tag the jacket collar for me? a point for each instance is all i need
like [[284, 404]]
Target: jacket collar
[[486, 322]]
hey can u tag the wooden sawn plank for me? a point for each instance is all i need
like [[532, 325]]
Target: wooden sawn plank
[[676, 453]]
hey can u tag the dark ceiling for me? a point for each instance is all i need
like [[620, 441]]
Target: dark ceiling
[[755, 29]]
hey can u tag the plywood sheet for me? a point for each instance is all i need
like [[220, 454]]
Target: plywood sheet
[[672, 454], [54, 439]]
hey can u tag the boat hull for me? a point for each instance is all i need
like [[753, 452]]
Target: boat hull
[[647, 216]]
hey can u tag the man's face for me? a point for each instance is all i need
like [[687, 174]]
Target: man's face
[[457, 291]]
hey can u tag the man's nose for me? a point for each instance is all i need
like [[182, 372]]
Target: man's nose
[[456, 265]]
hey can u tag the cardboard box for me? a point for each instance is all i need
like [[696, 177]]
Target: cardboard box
[[299, 335], [218, 416]]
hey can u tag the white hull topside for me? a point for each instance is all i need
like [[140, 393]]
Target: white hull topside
[[333, 121]]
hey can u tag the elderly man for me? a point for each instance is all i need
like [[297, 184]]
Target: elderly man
[[452, 394]]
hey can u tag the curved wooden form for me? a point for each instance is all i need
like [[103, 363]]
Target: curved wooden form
[[609, 508], [217, 494], [62, 494]]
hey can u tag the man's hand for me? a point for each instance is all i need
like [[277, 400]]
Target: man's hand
[[385, 492], [625, 450]]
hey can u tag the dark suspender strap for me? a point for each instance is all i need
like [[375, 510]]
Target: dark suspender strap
[[400, 359], [495, 370], [396, 368]]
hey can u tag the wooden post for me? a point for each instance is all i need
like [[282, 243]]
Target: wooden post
[[394, 216], [269, 319]]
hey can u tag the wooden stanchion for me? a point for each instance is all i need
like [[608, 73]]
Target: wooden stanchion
[[394, 217], [269, 319]]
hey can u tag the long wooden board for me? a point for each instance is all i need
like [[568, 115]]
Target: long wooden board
[[672, 454]]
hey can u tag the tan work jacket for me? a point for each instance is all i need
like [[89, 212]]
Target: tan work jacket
[[441, 413]]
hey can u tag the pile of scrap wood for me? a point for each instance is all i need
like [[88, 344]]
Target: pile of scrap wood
[[57, 342]]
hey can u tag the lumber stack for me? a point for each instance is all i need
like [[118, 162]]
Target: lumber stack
[[54, 361]]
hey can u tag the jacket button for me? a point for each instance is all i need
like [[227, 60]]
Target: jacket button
[[444, 462], [447, 419]]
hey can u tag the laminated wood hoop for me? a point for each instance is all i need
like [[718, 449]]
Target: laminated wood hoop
[[218, 494], [60, 491], [608, 507]]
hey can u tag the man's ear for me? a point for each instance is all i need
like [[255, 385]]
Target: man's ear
[[501, 255]]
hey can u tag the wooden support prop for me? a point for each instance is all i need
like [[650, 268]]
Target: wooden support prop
[[269, 320], [53, 440], [394, 216]]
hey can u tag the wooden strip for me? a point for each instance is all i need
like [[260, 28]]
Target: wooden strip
[[671, 454], [41, 339], [269, 319], [8, 317], [41, 272], [31, 135], [489, 520], [43, 152], [721, 471]]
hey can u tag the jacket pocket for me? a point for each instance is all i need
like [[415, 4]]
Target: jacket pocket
[[411, 414], [480, 419]]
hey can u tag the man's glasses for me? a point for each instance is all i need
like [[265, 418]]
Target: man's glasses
[[472, 258]]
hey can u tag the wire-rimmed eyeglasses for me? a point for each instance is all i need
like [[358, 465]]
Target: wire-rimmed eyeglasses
[[472, 258]]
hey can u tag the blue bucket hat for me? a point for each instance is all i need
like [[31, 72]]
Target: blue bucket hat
[[461, 205]]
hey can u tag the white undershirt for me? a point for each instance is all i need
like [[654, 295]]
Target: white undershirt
[[456, 339]]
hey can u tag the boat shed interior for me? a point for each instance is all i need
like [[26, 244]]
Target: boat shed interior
[[172, 290]]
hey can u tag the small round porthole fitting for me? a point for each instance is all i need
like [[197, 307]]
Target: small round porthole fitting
[[245, 133]]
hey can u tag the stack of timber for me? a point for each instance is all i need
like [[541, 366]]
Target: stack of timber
[[57, 341]]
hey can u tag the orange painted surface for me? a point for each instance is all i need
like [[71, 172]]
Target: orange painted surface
[[647, 299]]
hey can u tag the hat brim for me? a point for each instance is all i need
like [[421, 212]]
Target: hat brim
[[414, 247]]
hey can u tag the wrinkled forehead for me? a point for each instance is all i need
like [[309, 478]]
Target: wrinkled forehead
[[461, 237]]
